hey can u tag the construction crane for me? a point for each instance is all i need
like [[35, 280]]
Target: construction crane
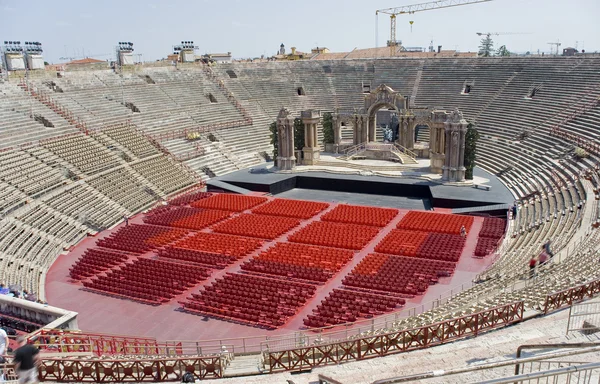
[[410, 9], [488, 34], [557, 44]]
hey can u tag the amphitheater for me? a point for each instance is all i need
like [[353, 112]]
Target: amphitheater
[[136, 302]]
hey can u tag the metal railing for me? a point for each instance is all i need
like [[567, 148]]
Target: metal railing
[[584, 317], [406, 151]]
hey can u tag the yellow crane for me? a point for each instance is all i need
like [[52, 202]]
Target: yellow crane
[[410, 9]]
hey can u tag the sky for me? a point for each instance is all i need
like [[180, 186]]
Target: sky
[[92, 28]]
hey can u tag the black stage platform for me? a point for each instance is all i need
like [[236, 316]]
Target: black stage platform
[[356, 189]]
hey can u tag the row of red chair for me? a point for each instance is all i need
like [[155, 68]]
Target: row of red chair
[[442, 246], [485, 246], [330, 259], [291, 208], [435, 222], [356, 214], [493, 228], [228, 245], [338, 235], [190, 198], [288, 270], [141, 238], [185, 217], [402, 242], [214, 260], [300, 261], [343, 306], [261, 226], [94, 261], [149, 280], [397, 274], [229, 202], [251, 299]]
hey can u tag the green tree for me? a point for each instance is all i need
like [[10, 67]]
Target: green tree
[[471, 138], [502, 51], [328, 128], [298, 134], [274, 141], [486, 47]]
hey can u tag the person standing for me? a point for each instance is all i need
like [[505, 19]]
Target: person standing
[[26, 361], [3, 342], [463, 231], [126, 220]]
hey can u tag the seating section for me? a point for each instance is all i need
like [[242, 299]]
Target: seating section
[[338, 235], [89, 156], [299, 261], [345, 306], [189, 198], [402, 242], [489, 236], [435, 222], [397, 274], [229, 202], [291, 208], [164, 173], [138, 238], [94, 261], [221, 244], [354, 214], [130, 138], [213, 260], [122, 186], [261, 226], [185, 217], [251, 300], [27, 173], [149, 281]]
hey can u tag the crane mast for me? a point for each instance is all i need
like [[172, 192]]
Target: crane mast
[[409, 9]]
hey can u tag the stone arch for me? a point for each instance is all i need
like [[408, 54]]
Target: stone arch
[[382, 96]]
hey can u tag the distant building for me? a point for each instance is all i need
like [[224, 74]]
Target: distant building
[[87, 60], [318, 50], [217, 57], [281, 49], [569, 51]]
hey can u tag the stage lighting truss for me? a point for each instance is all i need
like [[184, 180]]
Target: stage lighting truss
[[125, 46]]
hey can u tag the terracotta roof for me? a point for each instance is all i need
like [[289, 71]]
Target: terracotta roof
[[87, 60]]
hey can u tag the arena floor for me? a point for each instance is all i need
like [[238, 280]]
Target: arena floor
[[107, 314]]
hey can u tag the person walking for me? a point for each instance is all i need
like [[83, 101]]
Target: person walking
[[543, 257], [126, 220], [26, 362], [532, 263], [463, 231], [547, 248]]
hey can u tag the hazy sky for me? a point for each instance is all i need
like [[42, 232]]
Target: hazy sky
[[74, 28]]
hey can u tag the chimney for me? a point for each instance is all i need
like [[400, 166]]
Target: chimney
[[439, 48], [293, 50]]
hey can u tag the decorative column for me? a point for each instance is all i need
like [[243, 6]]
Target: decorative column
[[372, 128], [337, 130], [437, 140], [410, 143], [286, 160], [311, 149], [455, 128]]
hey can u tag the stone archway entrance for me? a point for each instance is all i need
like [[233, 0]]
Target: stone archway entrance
[[382, 97]]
